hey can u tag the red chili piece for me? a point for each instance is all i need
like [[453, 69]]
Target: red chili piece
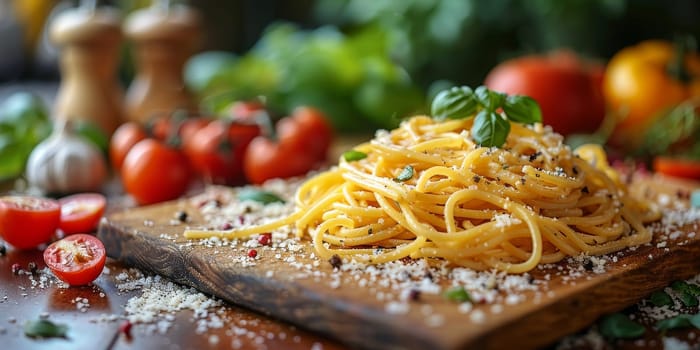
[[252, 253], [265, 238], [16, 268], [125, 328]]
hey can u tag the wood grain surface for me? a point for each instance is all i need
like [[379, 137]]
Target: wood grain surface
[[148, 238]]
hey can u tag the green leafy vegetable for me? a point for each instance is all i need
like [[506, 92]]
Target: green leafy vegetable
[[680, 321], [352, 155], [45, 329], [661, 298], [618, 325], [492, 110], [264, 197], [405, 175], [455, 103], [458, 294]]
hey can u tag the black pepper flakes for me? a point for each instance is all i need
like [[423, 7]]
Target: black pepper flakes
[[181, 216], [476, 178], [574, 170], [534, 156], [336, 261], [370, 231], [32, 267], [588, 265], [3, 249], [584, 189]]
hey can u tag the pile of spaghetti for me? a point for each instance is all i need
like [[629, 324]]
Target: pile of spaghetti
[[426, 190]]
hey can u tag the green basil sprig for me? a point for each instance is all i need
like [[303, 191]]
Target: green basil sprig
[[492, 111]]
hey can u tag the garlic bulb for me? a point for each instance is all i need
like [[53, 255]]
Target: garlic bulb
[[66, 163]]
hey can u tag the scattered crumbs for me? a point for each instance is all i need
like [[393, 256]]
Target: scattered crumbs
[[675, 344], [397, 308], [477, 316]]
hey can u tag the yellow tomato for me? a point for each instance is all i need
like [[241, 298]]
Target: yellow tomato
[[639, 86]]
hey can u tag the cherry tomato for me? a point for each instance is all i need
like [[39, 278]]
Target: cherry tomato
[[568, 91], [303, 142], [125, 137], [677, 167], [216, 151], [81, 213], [266, 159], [308, 129], [154, 172], [77, 259], [245, 110], [26, 222]]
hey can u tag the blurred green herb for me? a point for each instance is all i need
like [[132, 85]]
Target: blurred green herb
[[260, 196], [680, 321], [45, 329], [617, 325], [458, 294], [661, 298], [405, 175]]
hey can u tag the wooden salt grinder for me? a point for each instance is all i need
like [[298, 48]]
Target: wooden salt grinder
[[164, 38], [89, 40]]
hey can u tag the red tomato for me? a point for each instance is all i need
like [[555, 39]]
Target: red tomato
[[686, 168], [308, 129], [81, 213], [303, 142], [568, 91], [154, 172], [125, 137], [26, 222], [77, 259], [266, 159], [216, 151]]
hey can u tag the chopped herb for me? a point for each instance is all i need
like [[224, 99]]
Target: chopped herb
[[458, 294], [45, 329], [615, 326], [352, 155], [680, 321], [405, 175], [256, 195], [335, 261], [661, 298]]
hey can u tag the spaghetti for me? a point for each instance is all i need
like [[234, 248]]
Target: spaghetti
[[426, 190]]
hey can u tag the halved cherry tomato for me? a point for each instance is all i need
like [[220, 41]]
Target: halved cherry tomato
[[26, 222], [77, 259], [303, 142], [81, 213], [125, 137], [154, 172], [216, 151], [678, 167]]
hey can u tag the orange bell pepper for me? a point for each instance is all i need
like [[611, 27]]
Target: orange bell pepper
[[642, 82]]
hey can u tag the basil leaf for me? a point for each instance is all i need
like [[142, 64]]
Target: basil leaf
[[405, 175], [490, 129], [45, 329], [352, 155], [256, 195], [458, 102], [522, 109], [458, 294], [661, 298], [620, 326], [680, 321], [489, 99]]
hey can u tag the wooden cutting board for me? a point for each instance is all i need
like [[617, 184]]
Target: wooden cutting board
[[292, 287]]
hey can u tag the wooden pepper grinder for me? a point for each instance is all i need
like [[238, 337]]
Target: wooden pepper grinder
[[89, 38], [164, 38]]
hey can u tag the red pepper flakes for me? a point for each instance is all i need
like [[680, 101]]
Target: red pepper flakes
[[16, 268], [252, 253], [265, 238], [226, 226], [125, 328]]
